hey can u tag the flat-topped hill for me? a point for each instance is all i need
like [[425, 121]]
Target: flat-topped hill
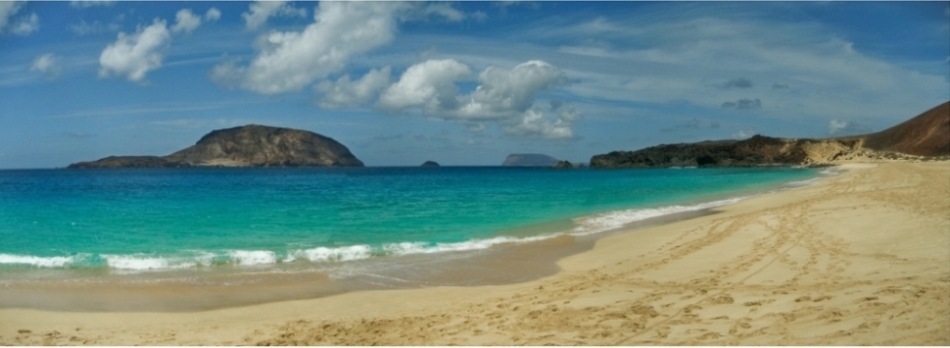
[[246, 146]]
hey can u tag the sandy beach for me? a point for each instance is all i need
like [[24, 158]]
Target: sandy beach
[[859, 258]]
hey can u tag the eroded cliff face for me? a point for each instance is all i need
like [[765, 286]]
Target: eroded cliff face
[[927, 134], [756, 151], [247, 146]]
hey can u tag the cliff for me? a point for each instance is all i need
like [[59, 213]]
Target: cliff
[[247, 146], [927, 134], [529, 160]]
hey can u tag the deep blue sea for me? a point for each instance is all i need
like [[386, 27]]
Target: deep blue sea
[[152, 220]]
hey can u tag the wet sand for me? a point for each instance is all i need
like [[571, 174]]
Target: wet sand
[[860, 258]]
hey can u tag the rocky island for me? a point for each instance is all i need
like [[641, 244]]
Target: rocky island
[[529, 160], [928, 134], [246, 146]]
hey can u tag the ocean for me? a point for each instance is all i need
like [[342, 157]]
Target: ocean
[[59, 224]]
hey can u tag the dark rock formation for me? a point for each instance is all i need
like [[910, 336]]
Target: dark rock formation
[[928, 134], [564, 165], [247, 146], [756, 151], [430, 164], [529, 160], [131, 162]]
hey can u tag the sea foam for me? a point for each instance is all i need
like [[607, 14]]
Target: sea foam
[[347, 253], [617, 219], [252, 257], [36, 261]]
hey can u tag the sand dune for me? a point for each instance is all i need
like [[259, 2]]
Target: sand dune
[[859, 258]]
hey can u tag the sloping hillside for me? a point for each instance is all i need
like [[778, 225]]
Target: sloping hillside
[[928, 134]]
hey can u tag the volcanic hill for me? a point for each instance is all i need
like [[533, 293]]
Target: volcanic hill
[[927, 134], [246, 146]]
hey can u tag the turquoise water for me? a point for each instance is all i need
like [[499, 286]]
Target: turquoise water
[[161, 219]]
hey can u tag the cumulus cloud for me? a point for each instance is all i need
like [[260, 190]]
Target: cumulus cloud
[[260, 11], [844, 128], [346, 93], [738, 83], [186, 21], [48, 65], [290, 61], [429, 85], [743, 104], [506, 97], [212, 15], [134, 55]]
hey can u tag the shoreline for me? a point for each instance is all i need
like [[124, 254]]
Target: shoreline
[[858, 258], [529, 253]]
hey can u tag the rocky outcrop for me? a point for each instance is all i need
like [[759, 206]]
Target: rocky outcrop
[[131, 162], [247, 146], [564, 165], [529, 160], [925, 135], [756, 151], [431, 164]]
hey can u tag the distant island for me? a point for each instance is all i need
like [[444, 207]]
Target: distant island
[[430, 164], [246, 146], [529, 160], [927, 134]]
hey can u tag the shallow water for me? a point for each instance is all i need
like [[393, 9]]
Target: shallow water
[[82, 224]]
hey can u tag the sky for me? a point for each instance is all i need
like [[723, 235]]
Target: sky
[[459, 83]]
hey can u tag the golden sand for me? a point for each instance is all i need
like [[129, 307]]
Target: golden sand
[[860, 258]]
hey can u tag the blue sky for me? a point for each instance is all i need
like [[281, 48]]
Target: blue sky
[[463, 83]]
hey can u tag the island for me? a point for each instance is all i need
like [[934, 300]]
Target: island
[[529, 160], [245, 146]]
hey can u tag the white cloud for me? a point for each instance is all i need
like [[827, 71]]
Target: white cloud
[[48, 65], [186, 21], [22, 26], [429, 85], [26, 25], [346, 93], [502, 91], [212, 15], [445, 10], [686, 60], [743, 134], [506, 97], [134, 55], [290, 61], [260, 11], [844, 128], [7, 10]]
